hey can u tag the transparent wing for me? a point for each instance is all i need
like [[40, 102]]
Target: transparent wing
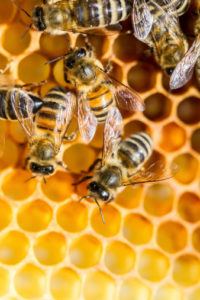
[[6, 81], [184, 69], [22, 106], [142, 19], [87, 122], [112, 131]]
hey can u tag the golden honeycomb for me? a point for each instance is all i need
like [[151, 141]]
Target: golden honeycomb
[[54, 247]]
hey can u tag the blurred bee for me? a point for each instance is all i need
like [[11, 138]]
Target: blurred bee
[[122, 162], [46, 130], [97, 92], [58, 17], [190, 61], [158, 27]]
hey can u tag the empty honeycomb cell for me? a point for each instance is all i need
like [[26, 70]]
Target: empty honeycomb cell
[[187, 167], [189, 207], [30, 282], [50, 248], [9, 153], [21, 188], [137, 229], [134, 126], [59, 186], [173, 137], [186, 270], [133, 50], [112, 219], [119, 258], [115, 71], [194, 295], [34, 216], [73, 216], [7, 11], [3, 61], [168, 291], [196, 239], [195, 140], [17, 133], [99, 286], [157, 107], [188, 110], [85, 251], [53, 46], [153, 265], [65, 283], [133, 288], [99, 43], [158, 200], [4, 281], [12, 41], [5, 214], [36, 63], [139, 77], [74, 157], [14, 246], [172, 236], [130, 197]]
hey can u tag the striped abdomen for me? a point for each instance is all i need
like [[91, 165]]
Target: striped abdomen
[[51, 111], [100, 102], [23, 105], [135, 150], [100, 13]]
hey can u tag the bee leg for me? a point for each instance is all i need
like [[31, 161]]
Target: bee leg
[[26, 162], [88, 47], [71, 137], [31, 85], [82, 180], [65, 77], [93, 165], [109, 67], [61, 164]]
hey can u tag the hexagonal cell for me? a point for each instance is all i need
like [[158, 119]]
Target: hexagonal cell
[[65, 283], [4, 281], [85, 251], [134, 126], [153, 265], [99, 44], [173, 137], [34, 216], [132, 288], [189, 207], [187, 166], [59, 186], [137, 229], [74, 157], [48, 42], [168, 291], [157, 107], [11, 39], [196, 239], [99, 285], [9, 153], [21, 188], [5, 214], [112, 219], [14, 247], [7, 11], [73, 216], [28, 5], [119, 258], [130, 197], [139, 79], [50, 248], [195, 140], [3, 61], [172, 236], [30, 281], [133, 50], [188, 110], [186, 270], [36, 63], [158, 200]]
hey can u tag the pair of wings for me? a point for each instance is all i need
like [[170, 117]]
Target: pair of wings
[[29, 125], [185, 68], [125, 97]]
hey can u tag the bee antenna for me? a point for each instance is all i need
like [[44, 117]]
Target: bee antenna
[[21, 8], [55, 59], [69, 42], [29, 179], [45, 182], [25, 33], [100, 210]]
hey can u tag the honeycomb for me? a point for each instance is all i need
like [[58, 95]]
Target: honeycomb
[[54, 247]]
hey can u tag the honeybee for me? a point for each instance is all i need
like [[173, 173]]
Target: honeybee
[[122, 162], [58, 17], [159, 28], [190, 61], [46, 130], [97, 92]]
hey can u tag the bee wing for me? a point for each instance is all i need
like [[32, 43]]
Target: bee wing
[[22, 106], [6, 81], [142, 19], [87, 121], [112, 131], [184, 69]]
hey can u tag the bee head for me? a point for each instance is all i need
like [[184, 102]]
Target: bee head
[[71, 60], [98, 191], [41, 170], [38, 18]]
